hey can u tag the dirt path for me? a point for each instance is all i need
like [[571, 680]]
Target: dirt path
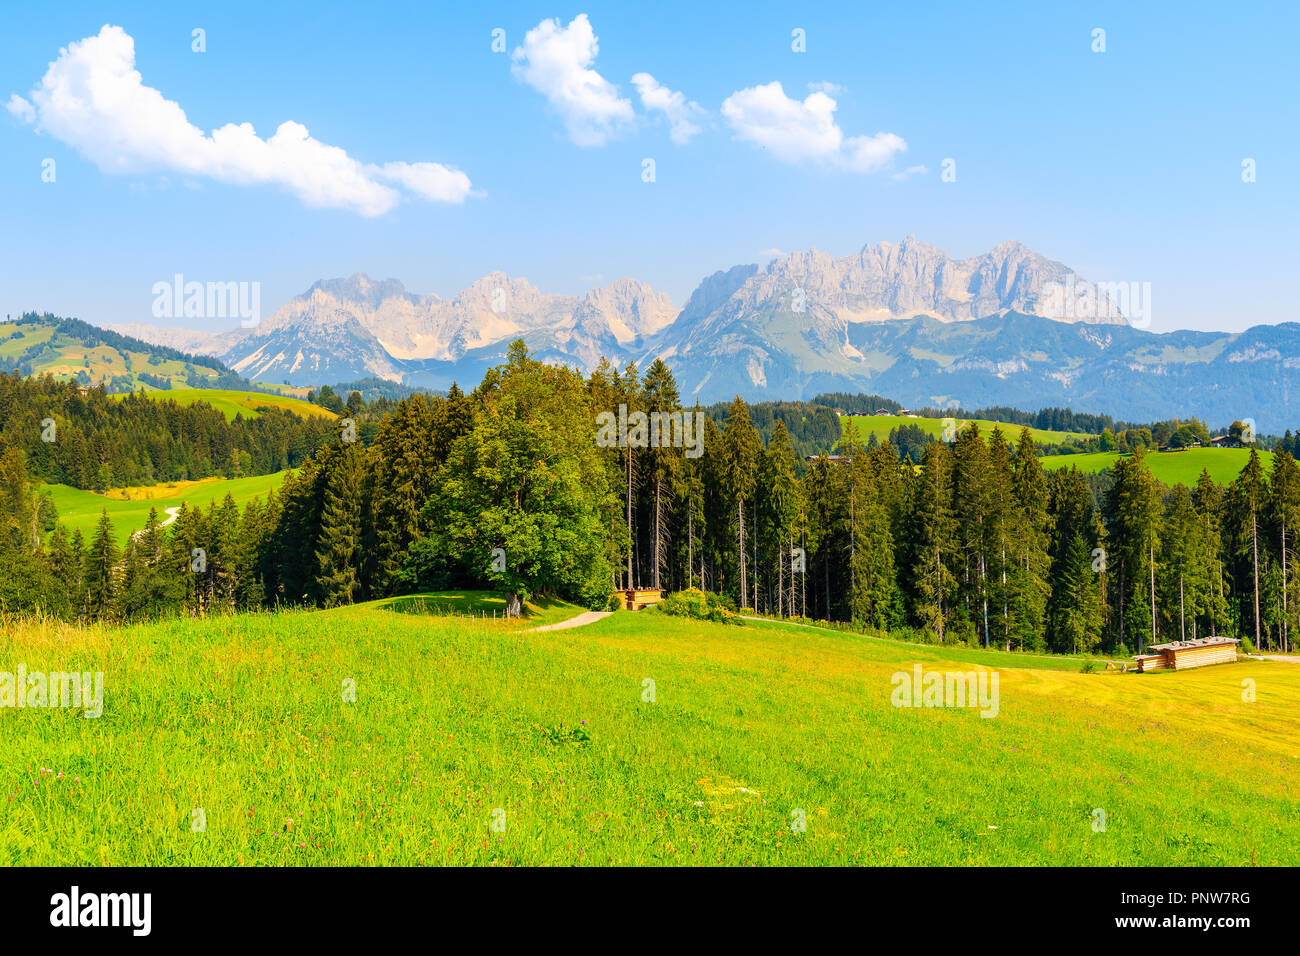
[[586, 617], [172, 515]]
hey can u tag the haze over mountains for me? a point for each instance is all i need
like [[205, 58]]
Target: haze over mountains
[[903, 320]]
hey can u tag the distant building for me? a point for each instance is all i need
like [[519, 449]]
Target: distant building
[[833, 459], [1180, 655], [1225, 441]]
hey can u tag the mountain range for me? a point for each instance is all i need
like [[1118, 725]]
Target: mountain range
[[903, 320]]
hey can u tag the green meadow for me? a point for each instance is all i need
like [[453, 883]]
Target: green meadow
[[231, 402], [1223, 464], [409, 732], [128, 508], [881, 425], [1171, 467]]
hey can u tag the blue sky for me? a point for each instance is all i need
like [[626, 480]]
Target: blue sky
[[1125, 165]]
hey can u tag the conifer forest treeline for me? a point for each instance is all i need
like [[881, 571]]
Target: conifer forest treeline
[[506, 487]]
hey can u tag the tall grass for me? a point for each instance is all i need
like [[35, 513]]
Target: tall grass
[[641, 739]]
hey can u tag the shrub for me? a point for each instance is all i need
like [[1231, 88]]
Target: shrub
[[701, 606], [910, 635], [1089, 666]]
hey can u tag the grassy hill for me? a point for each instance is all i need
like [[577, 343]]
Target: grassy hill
[[72, 349], [1172, 467], [881, 425], [457, 723], [128, 508], [232, 402], [1224, 464]]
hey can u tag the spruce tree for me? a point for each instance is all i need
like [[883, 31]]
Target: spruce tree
[[1284, 512], [101, 568], [741, 450], [932, 538], [338, 545]]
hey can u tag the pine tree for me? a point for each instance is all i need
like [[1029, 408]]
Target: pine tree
[[101, 567], [604, 392], [1284, 508], [338, 546], [659, 397], [931, 536], [741, 450], [781, 486], [1024, 537], [627, 388], [1186, 565], [1208, 499], [688, 491], [401, 480], [973, 507], [1134, 508], [1247, 499], [820, 495]]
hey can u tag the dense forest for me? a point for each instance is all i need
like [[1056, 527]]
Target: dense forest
[[508, 487], [78, 436], [812, 427]]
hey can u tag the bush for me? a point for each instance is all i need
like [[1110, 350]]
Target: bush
[[910, 635], [1089, 666], [701, 606], [615, 603], [425, 567]]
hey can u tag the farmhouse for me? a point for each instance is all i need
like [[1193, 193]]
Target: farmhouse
[[1180, 655]]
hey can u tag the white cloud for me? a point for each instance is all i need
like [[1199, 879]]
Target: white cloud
[[93, 99], [772, 253], [830, 89], [428, 180], [796, 132], [680, 113], [556, 61], [909, 172], [20, 108], [866, 154]]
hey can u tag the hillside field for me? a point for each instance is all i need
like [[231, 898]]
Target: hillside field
[[128, 508], [1172, 467], [63, 356], [881, 425], [640, 739], [231, 403]]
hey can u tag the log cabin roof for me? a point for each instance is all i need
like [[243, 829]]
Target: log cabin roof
[[1195, 642]]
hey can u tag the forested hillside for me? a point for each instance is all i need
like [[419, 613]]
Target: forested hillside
[[81, 437], [509, 488], [40, 344]]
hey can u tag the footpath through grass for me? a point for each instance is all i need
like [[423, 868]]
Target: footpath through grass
[[640, 739], [128, 508]]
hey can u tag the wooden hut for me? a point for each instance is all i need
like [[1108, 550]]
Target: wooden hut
[[1180, 655]]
